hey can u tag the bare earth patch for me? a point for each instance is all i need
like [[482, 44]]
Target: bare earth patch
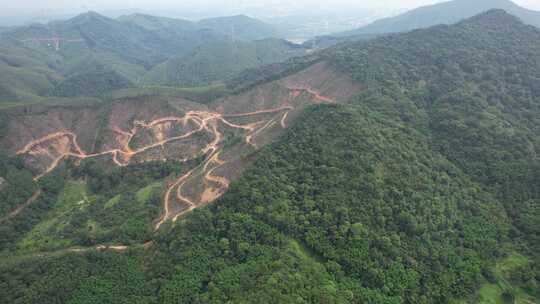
[[145, 131]]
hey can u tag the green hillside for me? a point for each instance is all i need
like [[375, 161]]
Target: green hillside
[[461, 84], [222, 60], [331, 205], [477, 103], [25, 73], [95, 82], [91, 31]]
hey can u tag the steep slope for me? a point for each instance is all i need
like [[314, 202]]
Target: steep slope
[[473, 87], [486, 67], [25, 72], [152, 129], [355, 209], [96, 81], [444, 13], [37, 58], [219, 61], [91, 31]]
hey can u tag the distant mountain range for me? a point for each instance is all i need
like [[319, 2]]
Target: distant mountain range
[[444, 13], [91, 54], [400, 170], [237, 27]]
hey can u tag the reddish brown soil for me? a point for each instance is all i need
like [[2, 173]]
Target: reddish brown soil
[[139, 132]]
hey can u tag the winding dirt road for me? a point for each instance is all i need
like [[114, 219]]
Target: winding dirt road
[[60, 145]]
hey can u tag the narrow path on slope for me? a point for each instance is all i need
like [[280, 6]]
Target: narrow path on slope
[[20, 208]]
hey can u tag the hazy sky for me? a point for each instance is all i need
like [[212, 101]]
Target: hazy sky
[[30, 7]]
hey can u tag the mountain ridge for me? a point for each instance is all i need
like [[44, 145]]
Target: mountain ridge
[[129, 47], [220, 61], [443, 13]]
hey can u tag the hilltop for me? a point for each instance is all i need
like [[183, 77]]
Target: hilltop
[[444, 13]]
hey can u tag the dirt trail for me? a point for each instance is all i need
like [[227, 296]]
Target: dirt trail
[[53, 147], [318, 96], [20, 208], [284, 120], [166, 198]]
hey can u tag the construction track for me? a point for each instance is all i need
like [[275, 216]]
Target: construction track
[[205, 121]]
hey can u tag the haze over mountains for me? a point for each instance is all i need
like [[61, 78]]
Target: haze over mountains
[[55, 59], [155, 160], [447, 12]]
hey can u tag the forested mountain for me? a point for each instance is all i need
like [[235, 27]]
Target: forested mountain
[[423, 188], [221, 60], [444, 13], [69, 58], [140, 39], [239, 27], [24, 72], [472, 89], [91, 31], [37, 58]]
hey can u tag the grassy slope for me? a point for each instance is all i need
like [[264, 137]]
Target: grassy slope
[[295, 226], [123, 50], [320, 185], [371, 190], [494, 292], [44, 236], [24, 73]]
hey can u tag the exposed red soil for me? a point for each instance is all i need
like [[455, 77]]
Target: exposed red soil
[[144, 131]]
